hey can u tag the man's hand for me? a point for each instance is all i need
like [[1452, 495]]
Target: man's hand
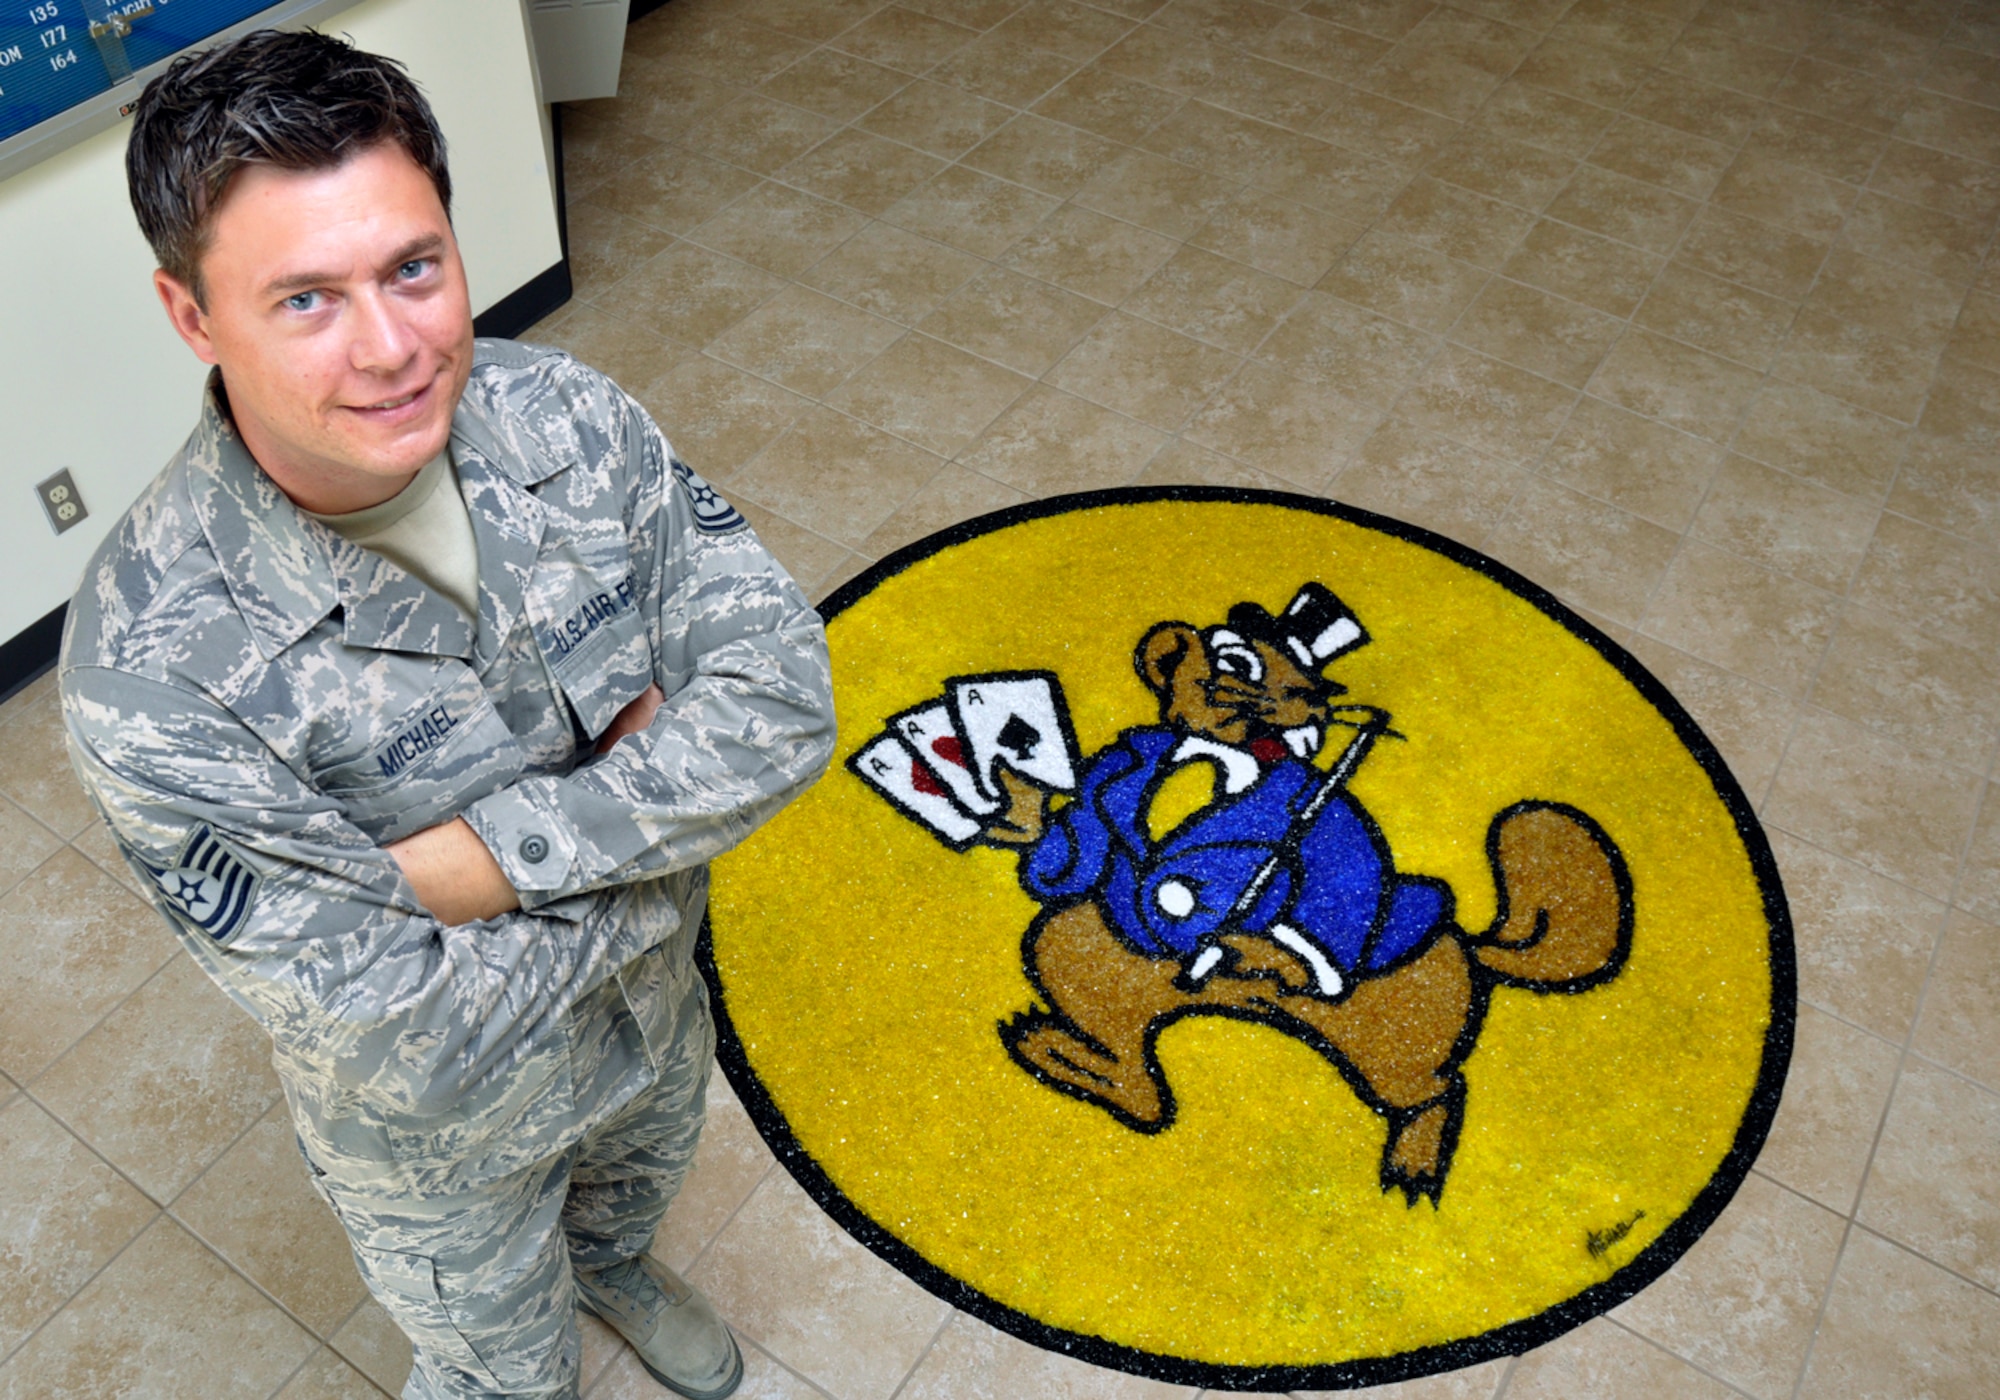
[[633, 718], [456, 876]]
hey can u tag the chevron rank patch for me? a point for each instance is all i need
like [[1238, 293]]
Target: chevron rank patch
[[208, 885], [712, 514]]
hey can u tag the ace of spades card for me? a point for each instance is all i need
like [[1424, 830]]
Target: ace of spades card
[[1015, 718]]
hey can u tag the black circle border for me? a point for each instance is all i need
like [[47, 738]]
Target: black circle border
[[1507, 1340]]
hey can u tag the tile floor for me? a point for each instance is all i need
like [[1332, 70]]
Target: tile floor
[[1687, 309]]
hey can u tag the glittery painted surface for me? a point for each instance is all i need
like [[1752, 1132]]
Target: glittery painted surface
[[864, 970]]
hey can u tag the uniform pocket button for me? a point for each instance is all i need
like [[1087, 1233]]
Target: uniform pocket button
[[534, 849]]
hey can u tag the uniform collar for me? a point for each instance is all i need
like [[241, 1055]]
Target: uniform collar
[[286, 572]]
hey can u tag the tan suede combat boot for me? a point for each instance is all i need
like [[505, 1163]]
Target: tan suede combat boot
[[681, 1342]]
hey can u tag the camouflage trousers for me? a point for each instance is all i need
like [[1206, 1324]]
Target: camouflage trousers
[[481, 1282]]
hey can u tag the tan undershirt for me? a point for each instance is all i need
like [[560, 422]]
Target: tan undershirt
[[423, 529]]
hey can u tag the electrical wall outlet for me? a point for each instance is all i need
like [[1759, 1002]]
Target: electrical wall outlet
[[60, 500]]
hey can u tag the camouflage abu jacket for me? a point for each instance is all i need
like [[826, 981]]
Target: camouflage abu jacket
[[256, 706]]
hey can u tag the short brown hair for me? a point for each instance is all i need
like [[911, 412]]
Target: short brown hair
[[299, 101]]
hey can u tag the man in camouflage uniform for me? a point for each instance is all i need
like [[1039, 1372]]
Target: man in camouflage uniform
[[451, 856]]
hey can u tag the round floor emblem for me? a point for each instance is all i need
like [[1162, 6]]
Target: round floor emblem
[[1254, 943]]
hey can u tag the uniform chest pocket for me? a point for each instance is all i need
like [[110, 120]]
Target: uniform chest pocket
[[594, 640], [427, 764]]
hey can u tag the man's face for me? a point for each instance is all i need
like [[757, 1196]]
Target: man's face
[[338, 312]]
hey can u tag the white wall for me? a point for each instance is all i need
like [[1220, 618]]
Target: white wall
[[91, 376]]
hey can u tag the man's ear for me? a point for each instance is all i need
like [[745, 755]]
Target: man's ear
[[190, 322], [1163, 650]]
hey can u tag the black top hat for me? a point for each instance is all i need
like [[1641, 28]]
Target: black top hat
[[1314, 628]]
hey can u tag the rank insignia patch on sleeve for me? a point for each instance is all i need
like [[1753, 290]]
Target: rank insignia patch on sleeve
[[712, 514], [208, 885]]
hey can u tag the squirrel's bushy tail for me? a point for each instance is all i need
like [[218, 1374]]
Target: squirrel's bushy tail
[[1565, 918]]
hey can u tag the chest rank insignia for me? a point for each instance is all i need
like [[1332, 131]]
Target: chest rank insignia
[[209, 885], [712, 514]]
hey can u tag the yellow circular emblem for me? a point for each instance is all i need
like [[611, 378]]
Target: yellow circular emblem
[[1254, 943]]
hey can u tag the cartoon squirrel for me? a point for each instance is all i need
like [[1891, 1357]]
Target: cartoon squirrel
[[1206, 867]]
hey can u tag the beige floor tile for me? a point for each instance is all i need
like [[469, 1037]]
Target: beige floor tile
[[716, 416], [1005, 68], [166, 1319], [35, 771], [938, 118], [1964, 189], [953, 495], [1558, 339], [1962, 128], [1051, 442], [1554, 122], [973, 14], [1387, 130], [1887, 299], [1233, 23], [1043, 155], [24, 842], [1856, 363], [1605, 1362], [1577, 68], [1497, 408], [1748, 723], [1410, 474], [1387, 19], [1933, 580], [1896, 1325], [1364, 356], [835, 84], [675, 189], [972, 1361], [1864, 943], [892, 272], [1839, 91], [167, 1083], [1302, 432], [693, 295], [1964, 404], [1156, 193], [1746, 619], [1232, 146], [1469, 1383], [375, 1346], [73, 944], [327, 1377], [1405, 281], [1979, 890], [853, 564], [1584, 551], [805, 341], [94, 843], [256, 1208], [1960, 1024], [1812, 142], [1712, 53], [1146, 371], [1937, 696], [904, 40], [1090, 254], [1823, 439], [864, 172], [1783, 523], [781, 230], [1679, 385], [1430, 78], [1893, 809], [600, 144], [1630, 31], [605, 246], [1698, 108], [1109, 106], [1934, 1185], [844, 476], [1656, 472], [1181, 463], [971, 211], [1660, 155], [732, 51], [1456, 222], [1022, 323], [1722, 317], [1074, 31], [1742, 1302], [1880, 50], [810, 559], [1329, 50], [1597, 271], [1344, 183], [817, 20], [1628, 210], [1501, 168], [729, 1162], [1835, 1091], [1963, 73], [846, 1319], [1277, 236], [1214, 299], [1760, 256], [758, 133], [601, 1347], [1910, 235], [1976, 337], [630, 352], [63, 1215], [929, 393]]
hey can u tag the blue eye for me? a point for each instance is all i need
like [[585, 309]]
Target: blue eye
[[413, 269], [302, 301]]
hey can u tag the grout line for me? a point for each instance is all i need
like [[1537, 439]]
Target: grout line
[[951, 1313]]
